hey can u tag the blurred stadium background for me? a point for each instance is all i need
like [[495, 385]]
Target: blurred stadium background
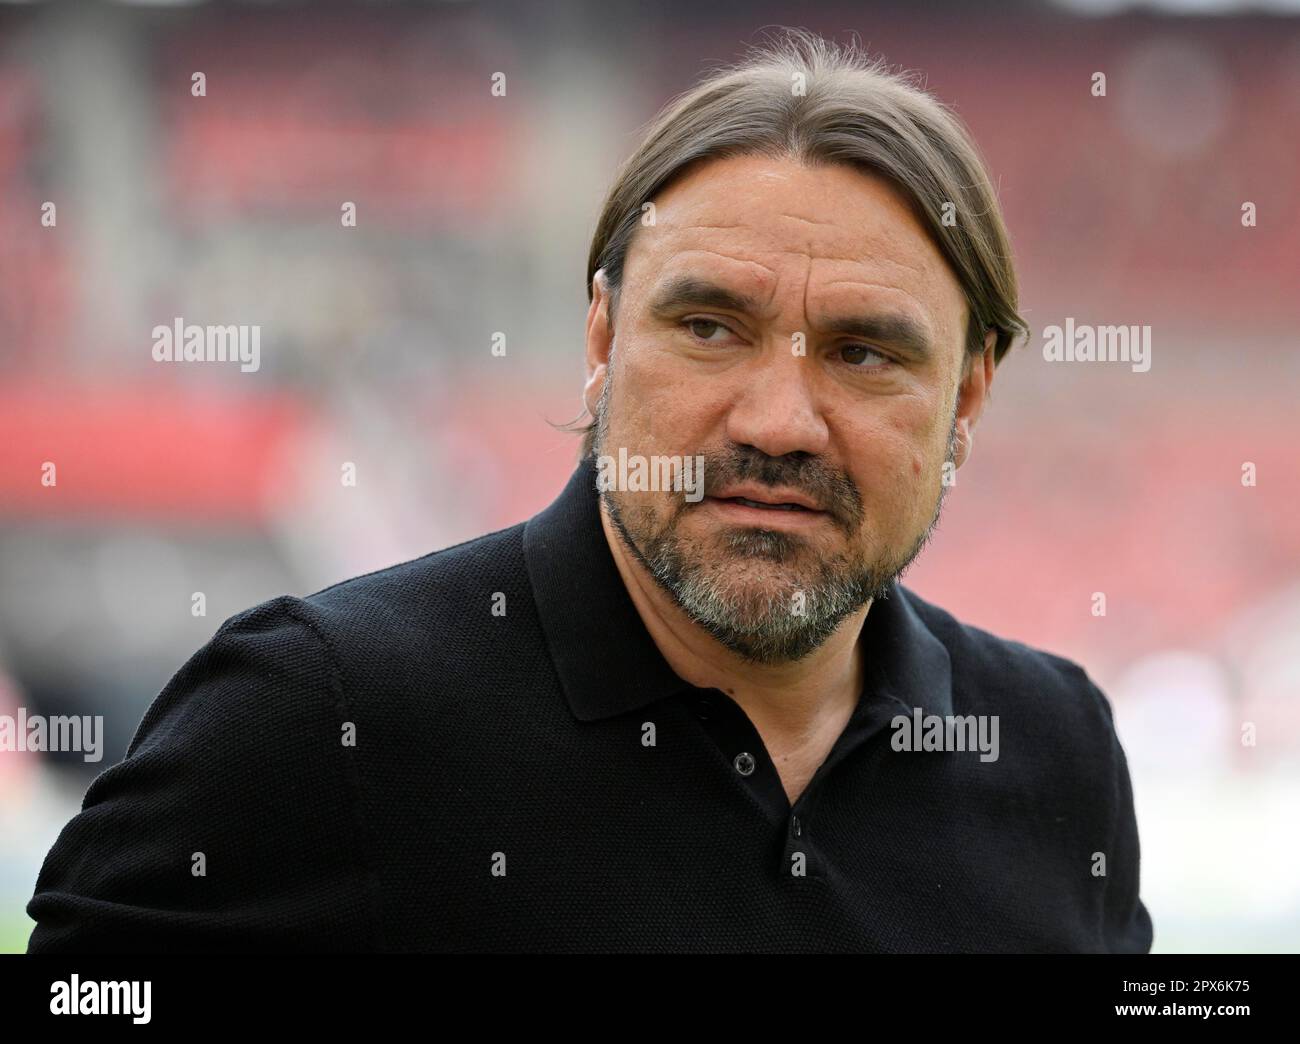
[[473, 216]]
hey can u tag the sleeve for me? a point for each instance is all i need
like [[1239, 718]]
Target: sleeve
[[232, 823], [1126, 923]]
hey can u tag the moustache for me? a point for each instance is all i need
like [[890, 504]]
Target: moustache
[[833, 493]]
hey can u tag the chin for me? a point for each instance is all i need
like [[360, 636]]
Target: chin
[[755, 595]]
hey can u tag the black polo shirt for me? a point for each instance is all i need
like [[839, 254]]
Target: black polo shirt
[[483, 749]]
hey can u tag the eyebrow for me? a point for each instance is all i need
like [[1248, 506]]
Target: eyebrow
[[692, 292], [894, 330], [900, 332]]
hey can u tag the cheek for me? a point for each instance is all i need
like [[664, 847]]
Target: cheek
[[895, 461], [921, 445], [893, 453], [670, 412], [627, 406]]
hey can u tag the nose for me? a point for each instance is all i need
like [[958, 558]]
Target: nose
[[776, 410]]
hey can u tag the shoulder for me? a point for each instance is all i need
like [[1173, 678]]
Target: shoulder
[[437, 589], [993, 674], [232, 821], [1059, 750], [286, 659], [1060, 767], [408, 631], [248, 762]]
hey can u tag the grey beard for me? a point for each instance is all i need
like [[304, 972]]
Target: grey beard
[[769, 628]]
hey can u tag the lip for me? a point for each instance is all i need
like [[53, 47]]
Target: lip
[[764, 495], [743, 514]]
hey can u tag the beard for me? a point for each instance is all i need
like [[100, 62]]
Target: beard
[[769, 596]]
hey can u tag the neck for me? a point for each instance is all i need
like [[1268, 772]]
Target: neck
[[790, 698]]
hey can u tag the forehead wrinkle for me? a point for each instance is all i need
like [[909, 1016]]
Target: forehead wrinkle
[[863, 260], [730, 257], [928, 283], [933, 323], [809, 251], [767, 283], [811, 221], [868, 283]]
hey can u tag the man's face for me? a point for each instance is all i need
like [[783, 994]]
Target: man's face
[[795, 327]]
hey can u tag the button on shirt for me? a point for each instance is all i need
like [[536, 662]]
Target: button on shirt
[[484, 750]]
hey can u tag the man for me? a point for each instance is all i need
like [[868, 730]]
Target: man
[[688, 706]]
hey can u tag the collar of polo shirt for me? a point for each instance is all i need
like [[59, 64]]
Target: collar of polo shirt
[[606, 660]]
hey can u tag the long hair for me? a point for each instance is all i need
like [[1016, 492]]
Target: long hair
[[803, 96]]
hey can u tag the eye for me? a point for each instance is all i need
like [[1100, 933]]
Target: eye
[[703, 329], [856, 354]]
